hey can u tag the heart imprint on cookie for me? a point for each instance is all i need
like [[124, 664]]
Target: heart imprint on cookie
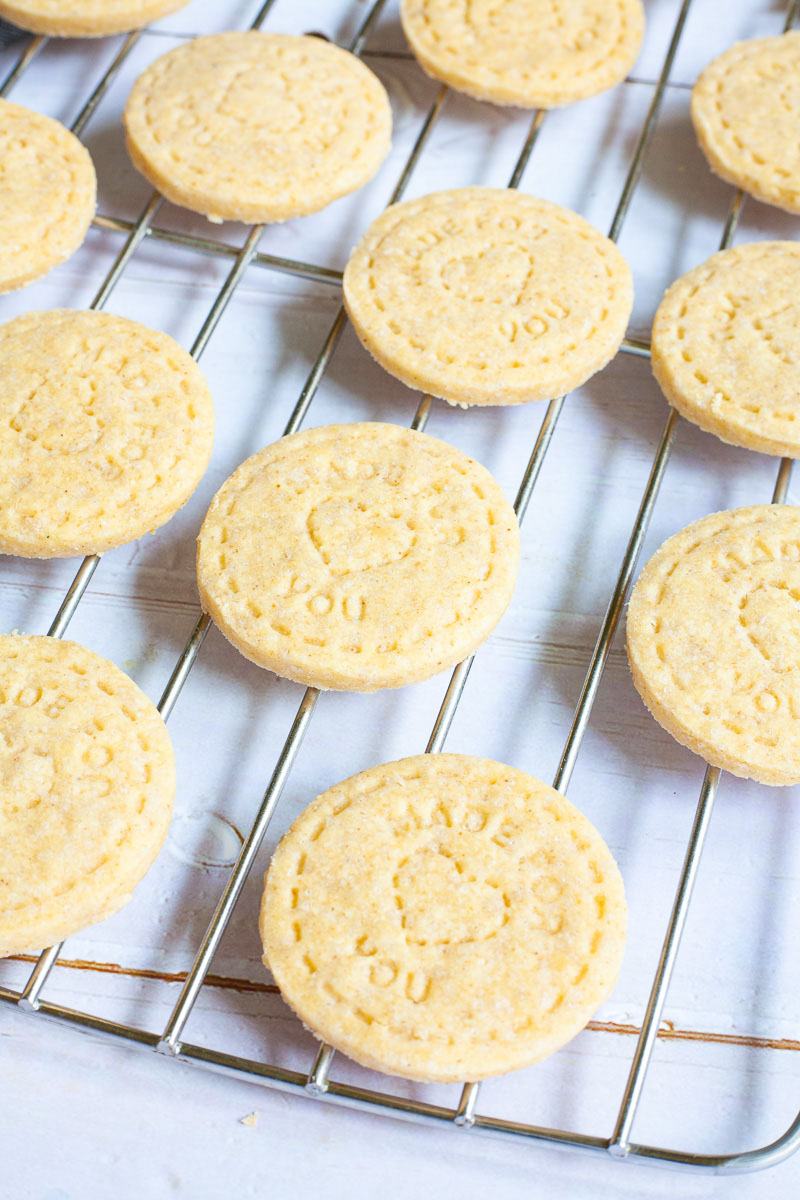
[[770, 616], [351, 535], [482, 908]]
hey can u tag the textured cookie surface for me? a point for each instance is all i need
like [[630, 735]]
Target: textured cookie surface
[[107, 431], [724, 346], [85, 18], [87, 781], [533, 53], [488, 296], [714, 640], [745, 110], [47, 194], [358, 557], [443, 918], [257, 127]]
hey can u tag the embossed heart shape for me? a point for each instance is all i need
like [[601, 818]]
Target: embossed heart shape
[[352, 535], [481, 911], [770, 616]]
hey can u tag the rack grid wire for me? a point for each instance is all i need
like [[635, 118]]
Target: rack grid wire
[[317, 1081]]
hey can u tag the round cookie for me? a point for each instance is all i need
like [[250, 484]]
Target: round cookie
[[714, 640], [87, 781], [538, 54], [724, 346], [358, 557], [107, 432], [745, 109], [85, 18], [257, 127], [443, 918], [488, 296], [47, 194]]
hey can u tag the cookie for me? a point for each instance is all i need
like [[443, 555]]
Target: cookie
[[87, 781], [536, 54], [745, 109], [487, 296], [107, 431], [47, 194], [358, 557], [443, 918], [257, 127], [714, 640], [85, 18], [724, 346]]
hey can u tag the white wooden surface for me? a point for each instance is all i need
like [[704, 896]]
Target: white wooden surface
[[81, 1119]]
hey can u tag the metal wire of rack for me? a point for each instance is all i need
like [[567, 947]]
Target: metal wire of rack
[[316, 1082]]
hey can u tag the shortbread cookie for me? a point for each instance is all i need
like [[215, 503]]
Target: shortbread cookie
[[107, 429], [724, 346], [257, 127], [87, 780], [358, 557], [488, 296], [537, 54], [47, 194], [745, 111], [714, 640], [85, 18], [443, 918]]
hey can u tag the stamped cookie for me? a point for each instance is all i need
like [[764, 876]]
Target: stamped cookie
[[257, 127], [85, 18], [488, 296], [443, 918], [714, 640], [745, 111], [47, 194], [536, 54], [87, 780], [358, 557], [107, 431], [725, 349]]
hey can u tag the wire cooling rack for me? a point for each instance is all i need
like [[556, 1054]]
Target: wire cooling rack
[[316, 1079]]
